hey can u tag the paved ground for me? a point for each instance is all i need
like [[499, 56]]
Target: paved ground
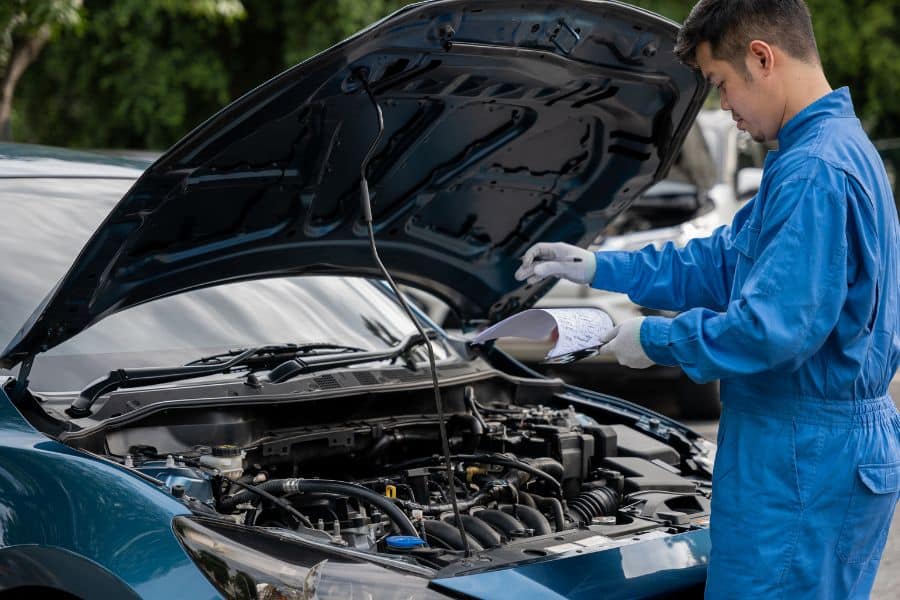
[[887, 582]]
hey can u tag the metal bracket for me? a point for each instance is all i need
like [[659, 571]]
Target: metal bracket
[[570, 41], [344, 439], [22, 378]]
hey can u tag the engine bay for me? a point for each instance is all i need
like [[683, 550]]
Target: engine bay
[[535, 474]]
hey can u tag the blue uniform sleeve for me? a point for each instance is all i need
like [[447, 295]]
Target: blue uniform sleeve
[[790, 299], [698, 275]]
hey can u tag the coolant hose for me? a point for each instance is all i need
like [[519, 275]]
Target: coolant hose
[[548, 465], [551, 505], [326, 486]]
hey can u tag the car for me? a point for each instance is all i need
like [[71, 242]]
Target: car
[[211, 391]]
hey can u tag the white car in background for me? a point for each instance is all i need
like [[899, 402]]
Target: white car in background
[[719, 169]]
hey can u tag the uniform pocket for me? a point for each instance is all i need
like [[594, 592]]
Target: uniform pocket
[[872, 501], [746, 240], [726, 453]]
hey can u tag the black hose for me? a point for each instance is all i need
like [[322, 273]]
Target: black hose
[[548, 465], [255, 490], [388, 440], [327, 486], [554, 507], [472, 403], [587, 505], [530, 517], [483, 533]]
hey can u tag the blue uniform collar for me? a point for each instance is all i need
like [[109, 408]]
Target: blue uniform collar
[[834, 104]]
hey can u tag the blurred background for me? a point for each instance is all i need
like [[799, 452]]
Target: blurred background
[[140, 74], [134, 76]]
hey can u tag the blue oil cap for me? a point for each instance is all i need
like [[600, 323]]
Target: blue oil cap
[[404, 542]]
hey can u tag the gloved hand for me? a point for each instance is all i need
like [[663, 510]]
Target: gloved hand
[[624, 342], [557, 259]]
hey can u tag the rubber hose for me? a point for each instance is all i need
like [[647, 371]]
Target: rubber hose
[[273, 486], [502, 522], [327, 486], [448, 536], [387, 441], [481, 531], [587, 505], [515, 464], [554, 507], [550, 466], [531, 517]]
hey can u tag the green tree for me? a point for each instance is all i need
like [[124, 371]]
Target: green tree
[[142, 73], [25, 28], [859, 48], [136, 74]]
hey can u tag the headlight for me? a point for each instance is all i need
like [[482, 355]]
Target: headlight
[[249, 564]]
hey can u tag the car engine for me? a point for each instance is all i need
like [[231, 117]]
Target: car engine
[[531, 480]]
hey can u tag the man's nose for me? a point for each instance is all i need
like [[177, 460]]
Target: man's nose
[[723, 101]]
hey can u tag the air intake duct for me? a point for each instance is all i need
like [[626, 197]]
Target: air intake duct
[[598, 502]]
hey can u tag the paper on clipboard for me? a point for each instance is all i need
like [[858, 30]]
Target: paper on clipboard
[[580, 330]]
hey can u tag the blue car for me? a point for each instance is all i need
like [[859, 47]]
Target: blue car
[[209, 392]]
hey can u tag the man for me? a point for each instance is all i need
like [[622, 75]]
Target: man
[[794, 307]]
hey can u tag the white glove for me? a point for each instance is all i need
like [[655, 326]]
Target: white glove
[[557, 260], [624, 342]]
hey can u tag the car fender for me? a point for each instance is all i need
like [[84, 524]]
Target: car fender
[[53, 496], [58, 570]]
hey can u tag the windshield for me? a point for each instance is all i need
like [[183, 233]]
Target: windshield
[[48, 221]]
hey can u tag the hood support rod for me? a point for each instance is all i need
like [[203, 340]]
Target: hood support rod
[[366, 206]]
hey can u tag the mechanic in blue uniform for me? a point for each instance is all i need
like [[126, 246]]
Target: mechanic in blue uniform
[[794, 307]]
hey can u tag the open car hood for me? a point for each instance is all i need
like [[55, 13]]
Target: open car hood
[[507, 123]]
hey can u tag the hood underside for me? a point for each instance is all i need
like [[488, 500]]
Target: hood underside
[[506, 123]]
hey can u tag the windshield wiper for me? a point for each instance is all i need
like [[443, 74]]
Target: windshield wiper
[[258, 357], [285, 362], [266, 355], [298, 366]]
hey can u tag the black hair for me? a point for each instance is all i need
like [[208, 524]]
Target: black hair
[[730, 25]]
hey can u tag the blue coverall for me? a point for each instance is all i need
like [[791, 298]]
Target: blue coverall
[[794, 306]]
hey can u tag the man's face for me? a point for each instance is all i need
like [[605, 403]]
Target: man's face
[[754, 103]]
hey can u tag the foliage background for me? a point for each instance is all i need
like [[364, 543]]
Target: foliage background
[[142, 73]]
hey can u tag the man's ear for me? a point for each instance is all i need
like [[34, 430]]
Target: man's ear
[[761, 58]]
